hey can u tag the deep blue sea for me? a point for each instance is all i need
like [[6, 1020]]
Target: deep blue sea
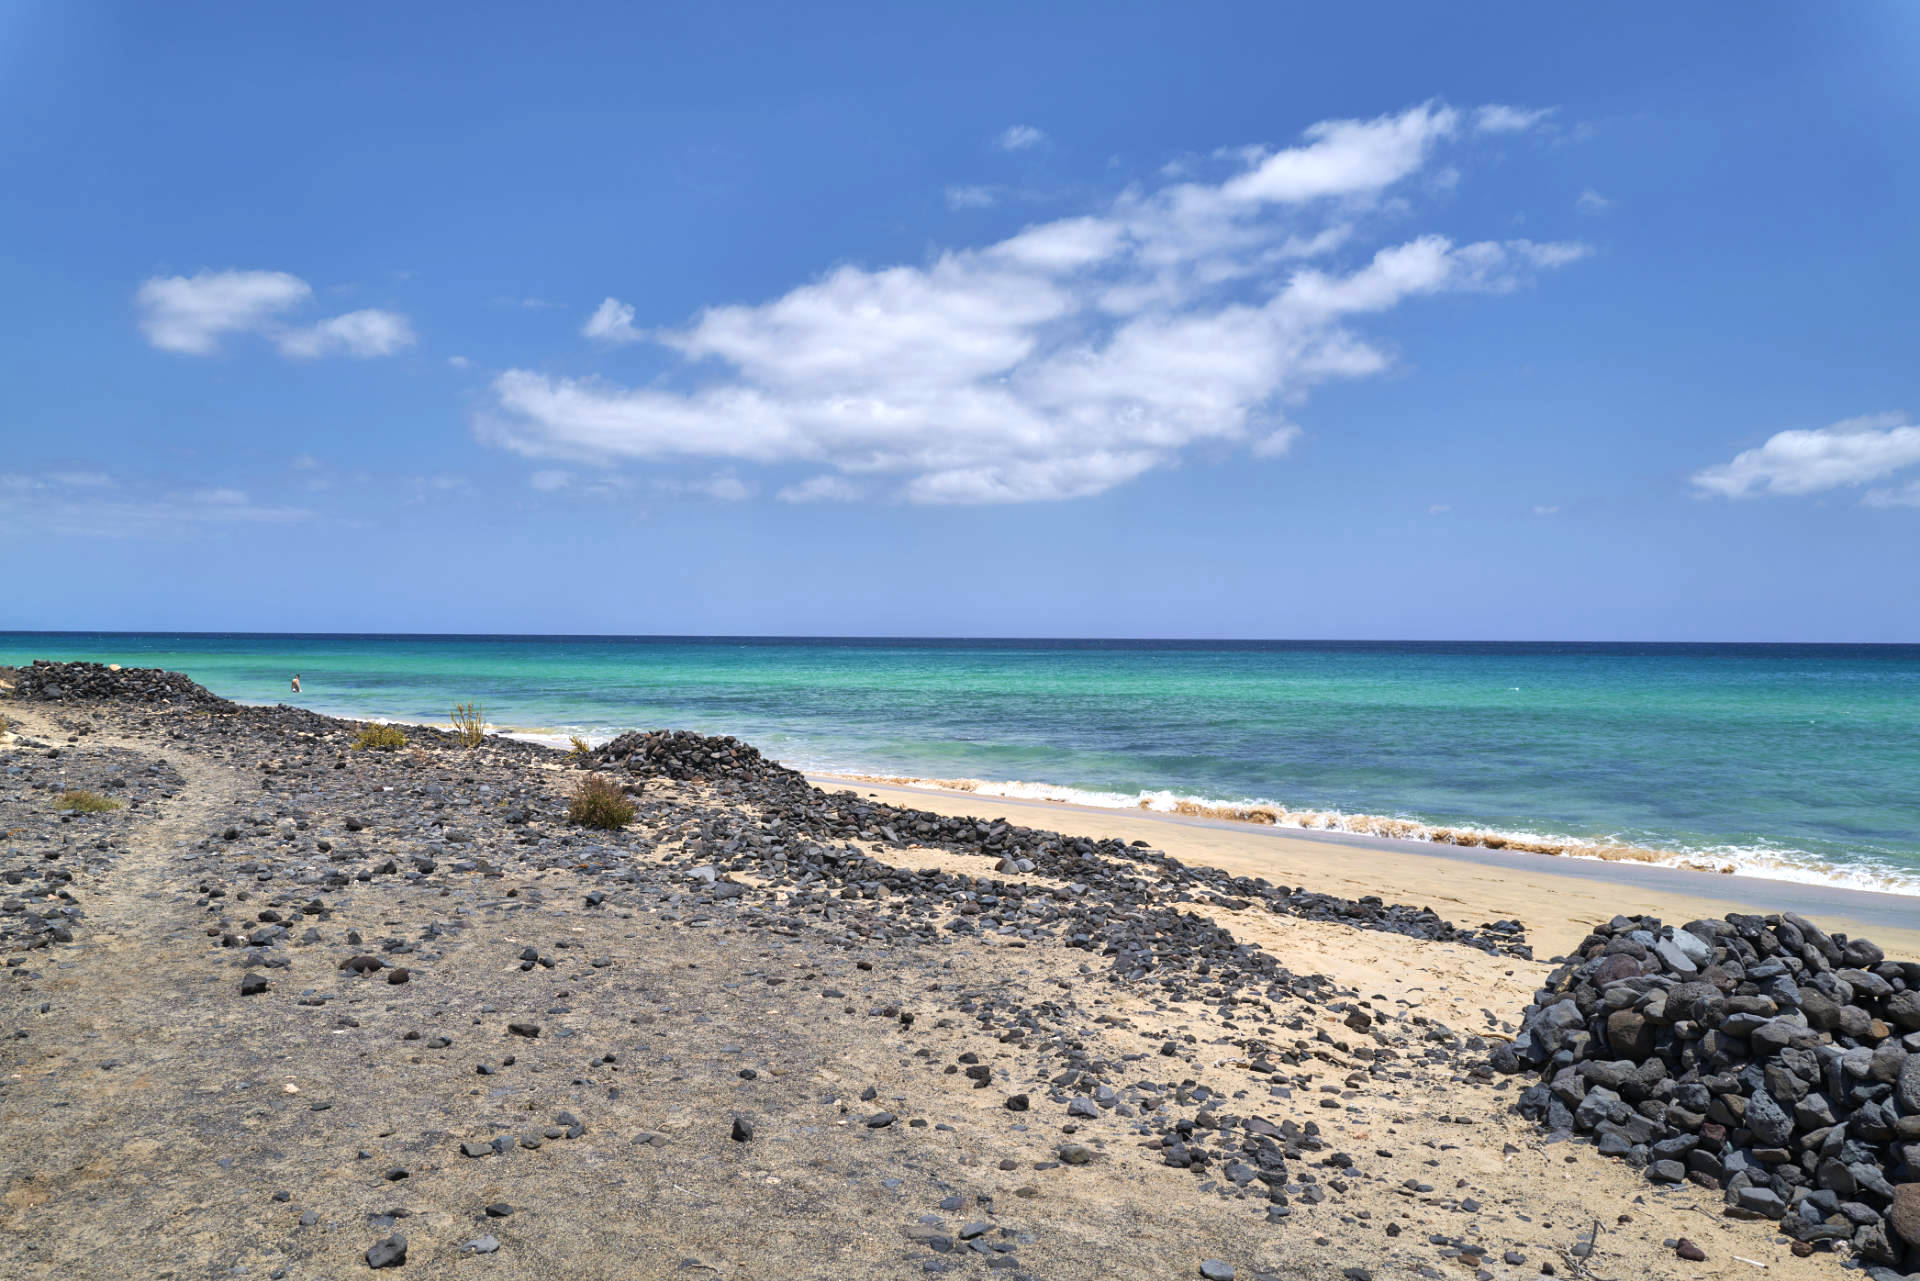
[[1792, 761]]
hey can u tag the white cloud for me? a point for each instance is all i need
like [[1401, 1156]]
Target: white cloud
[[1345, 157], [1495, 118], [1021, 137], [971, 197], [611, 322], [458, 362], [1592, 202], [358, 333], [1439, 509], [1060, 362], [549, 481], [190, 314], [1546, 511], [1853, 452], [82, 479]]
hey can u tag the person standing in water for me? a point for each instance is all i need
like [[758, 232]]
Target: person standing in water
[[296, 682]]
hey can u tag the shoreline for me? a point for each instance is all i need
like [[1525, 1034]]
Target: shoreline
[[1559, 899]]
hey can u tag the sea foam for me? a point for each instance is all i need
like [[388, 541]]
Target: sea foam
[[1765, 862]]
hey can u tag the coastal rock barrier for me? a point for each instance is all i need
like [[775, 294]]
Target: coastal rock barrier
[[1111, 867], [47, 681], [1761, 1056]]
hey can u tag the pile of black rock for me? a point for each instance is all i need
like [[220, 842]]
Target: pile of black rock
[[53, 682], [1758, 1055], [683, 755]]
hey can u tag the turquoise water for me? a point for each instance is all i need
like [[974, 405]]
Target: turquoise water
[[1793, 761]]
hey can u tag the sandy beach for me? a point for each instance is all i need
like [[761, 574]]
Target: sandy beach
[[1558, 899]]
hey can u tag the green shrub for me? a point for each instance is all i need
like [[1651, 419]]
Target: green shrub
[[84, 802], [469, 724], [581, 748], [384, 738], [598, 803]]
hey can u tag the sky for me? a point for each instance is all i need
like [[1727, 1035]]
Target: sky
[[1197, 320]]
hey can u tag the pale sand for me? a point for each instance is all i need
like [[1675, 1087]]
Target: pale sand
[[1556, 899]]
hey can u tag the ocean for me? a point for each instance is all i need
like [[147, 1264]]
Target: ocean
[[1797, 762]]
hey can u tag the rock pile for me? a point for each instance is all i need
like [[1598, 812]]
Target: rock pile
[[1759, 1055], [681, 755], [55, 682]]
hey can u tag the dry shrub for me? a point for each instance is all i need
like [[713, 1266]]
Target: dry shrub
[[599, 803], [84, 802], [469, 724], [382, 738]]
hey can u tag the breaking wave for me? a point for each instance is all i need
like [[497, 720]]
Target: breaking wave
[[1765, 862]]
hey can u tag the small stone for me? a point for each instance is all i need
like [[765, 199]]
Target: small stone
[[389, 1252], [1017, 1103], [528, 1030], [1216, 1270], [1074, 1153], [1687, 1250], [253, 985], [483, 1245], [742, 1130], [398, 975], [499, 1210]]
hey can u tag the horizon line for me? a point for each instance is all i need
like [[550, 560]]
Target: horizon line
[[879, 638]]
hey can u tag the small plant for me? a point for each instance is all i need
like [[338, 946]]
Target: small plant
[[469, 724], [598, 803], [6, 726], [380, 738], [581, 748], [84, 802]]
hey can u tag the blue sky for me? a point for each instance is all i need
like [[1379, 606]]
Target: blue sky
[[1196, 320]]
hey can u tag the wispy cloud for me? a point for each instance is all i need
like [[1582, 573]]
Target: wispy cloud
[[822, 489], [1847, 454], [1065, 360], [95, 505], [1592, 202], [358, 333], [971, 197], [1498, 118], [611, 322], [190, 315], [1020, 138]]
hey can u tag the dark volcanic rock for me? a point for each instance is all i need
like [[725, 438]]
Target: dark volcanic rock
[[1755, 1054], [388, 1252]]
